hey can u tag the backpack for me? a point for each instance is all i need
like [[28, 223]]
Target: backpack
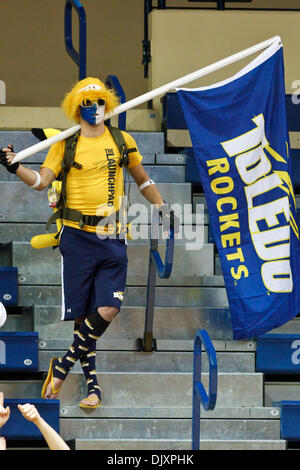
[[63, 212]]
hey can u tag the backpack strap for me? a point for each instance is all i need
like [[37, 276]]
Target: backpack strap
[[121, 144], [67, 163]]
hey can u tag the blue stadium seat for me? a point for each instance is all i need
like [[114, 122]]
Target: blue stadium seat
[[173, 117], [9, 285], [278, 354], [192, 174], [295, 155], [292, 114], [18, 351], [293, 122], [19, 428], [289, 420]]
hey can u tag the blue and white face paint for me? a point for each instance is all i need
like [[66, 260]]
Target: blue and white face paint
[[92, 112]]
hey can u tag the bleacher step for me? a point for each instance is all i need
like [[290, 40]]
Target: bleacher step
[[39, 158], [161, 444], [162, 389], [165, 296], [165, 174], [23, 232], [175, 324], [38, 214], [72, 428], [134, 361], [43, 267], [23, 204], [19, 319], [146, 390], [247, 413], [19, 388], [289, 328], [159, 173], [276, 391], [150, 158], [147, 142], [175, 444], [163, 345], [170, 159]]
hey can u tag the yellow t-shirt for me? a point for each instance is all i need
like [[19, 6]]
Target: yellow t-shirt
[[97, 187]]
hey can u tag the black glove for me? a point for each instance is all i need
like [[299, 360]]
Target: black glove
[[3, 161], [167, 214]]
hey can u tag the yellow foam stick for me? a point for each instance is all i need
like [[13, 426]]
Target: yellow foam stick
[[50, 239], [43, 134], [128, 231], [49, 132], [44, 241]]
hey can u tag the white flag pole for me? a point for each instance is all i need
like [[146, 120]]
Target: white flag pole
[[151, 95], [45, 144]]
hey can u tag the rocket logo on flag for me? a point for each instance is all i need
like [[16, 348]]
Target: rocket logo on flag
[[239, 134]]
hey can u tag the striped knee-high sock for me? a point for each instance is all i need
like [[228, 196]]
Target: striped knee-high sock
[[88, 364], [90, 330], [89, 369]]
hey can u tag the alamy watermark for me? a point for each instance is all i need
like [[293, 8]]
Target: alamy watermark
[[144, 222]]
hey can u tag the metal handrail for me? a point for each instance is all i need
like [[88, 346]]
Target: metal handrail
[[78, 57], [199, 392], [163, 269], [113, 82]]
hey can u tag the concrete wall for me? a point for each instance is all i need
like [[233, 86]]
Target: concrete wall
[[38, 71], [33, 60], [184, 41]]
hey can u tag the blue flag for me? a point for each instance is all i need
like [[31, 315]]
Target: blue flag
[[239, 134]]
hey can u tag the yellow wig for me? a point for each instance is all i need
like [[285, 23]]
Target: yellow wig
[[89, 88]]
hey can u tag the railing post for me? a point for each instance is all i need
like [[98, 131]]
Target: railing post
[[156, 265], [2, 92], [161, 4], [78, 57], [199, 392], [146, 42], [221, 4], [149, 343], [112, 81]]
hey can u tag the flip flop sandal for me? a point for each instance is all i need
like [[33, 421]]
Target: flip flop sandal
[[90, 407], [49, 379]]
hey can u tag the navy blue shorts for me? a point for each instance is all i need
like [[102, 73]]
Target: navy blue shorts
[[93, 272]]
